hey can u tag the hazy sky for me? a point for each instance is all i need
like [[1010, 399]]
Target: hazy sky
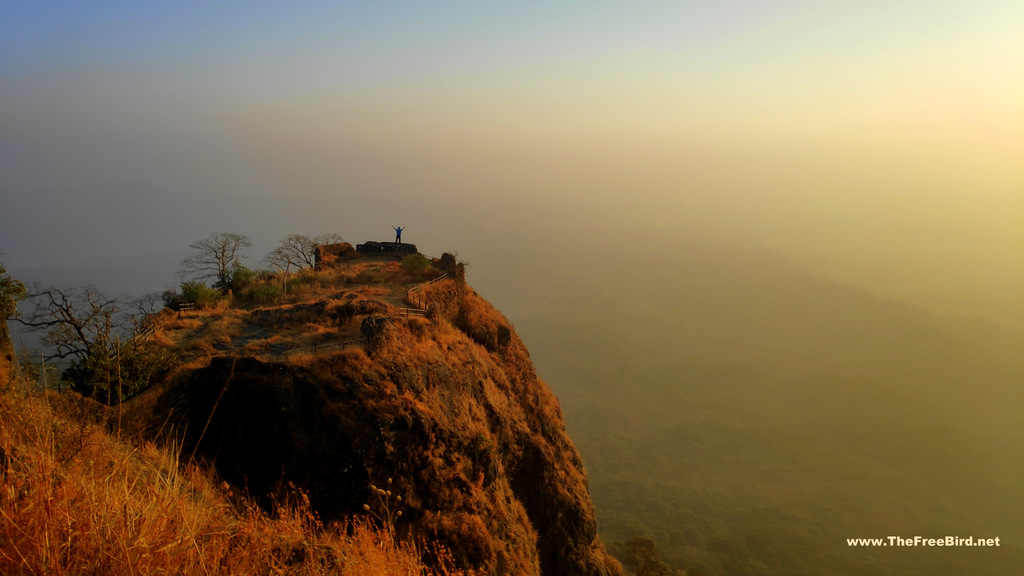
[[875, 142]]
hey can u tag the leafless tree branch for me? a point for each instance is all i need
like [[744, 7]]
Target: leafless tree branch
[[76, 322], [216, 257], [299, 251]]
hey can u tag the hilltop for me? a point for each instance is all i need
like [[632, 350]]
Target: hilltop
[[376, 373]]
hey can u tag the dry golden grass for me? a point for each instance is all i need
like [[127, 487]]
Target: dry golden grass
[[417, 405], [224, 327], [184, 323], [339, 276], [371, 292], [74, 500], [162, 339], [303, 359], [312, 329], [200, 349], [460, 374], [201, 335], [333, 304], [223, 306]]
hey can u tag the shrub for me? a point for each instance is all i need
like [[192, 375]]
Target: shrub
[[242, 277], [263, 293], [136, 366], [171, 299], [415, 263], [201, 294]]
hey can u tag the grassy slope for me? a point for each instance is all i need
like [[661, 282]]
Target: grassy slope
[[74, 499]]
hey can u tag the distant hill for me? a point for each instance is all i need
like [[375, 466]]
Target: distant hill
[[750, 417]]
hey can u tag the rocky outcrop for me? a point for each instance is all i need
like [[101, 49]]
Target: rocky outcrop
[[445, 414], [385, 248], [328, 255]]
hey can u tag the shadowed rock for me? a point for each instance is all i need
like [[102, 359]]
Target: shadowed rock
[[385, 248]]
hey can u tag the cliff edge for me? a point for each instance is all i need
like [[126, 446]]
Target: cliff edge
[[430, 418]]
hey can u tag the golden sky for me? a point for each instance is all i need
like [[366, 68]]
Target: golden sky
[[880, 141]]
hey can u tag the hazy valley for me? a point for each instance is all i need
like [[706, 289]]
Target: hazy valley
[[750, 417]]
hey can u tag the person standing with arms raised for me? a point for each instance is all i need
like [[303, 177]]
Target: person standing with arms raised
[[398, 234]]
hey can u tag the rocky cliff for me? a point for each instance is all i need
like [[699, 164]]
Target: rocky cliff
[[442, 414]]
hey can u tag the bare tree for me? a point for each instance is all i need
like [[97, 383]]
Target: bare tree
[[102, 337], [144, 312], [299, 251], [77, 322], [280, 259], [216, 257]]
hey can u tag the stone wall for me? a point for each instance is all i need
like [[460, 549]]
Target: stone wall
[[385, 248], [329, 254]]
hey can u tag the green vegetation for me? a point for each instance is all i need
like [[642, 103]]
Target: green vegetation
[[242, 277], [202, 295], [640, 555], [415, 264], [113, 377], [103, 341], [262, 294], [192, 292]]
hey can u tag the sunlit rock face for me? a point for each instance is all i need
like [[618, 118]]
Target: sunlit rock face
[[441, 418]]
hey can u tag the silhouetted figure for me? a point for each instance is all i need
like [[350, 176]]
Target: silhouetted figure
[[398, 234]]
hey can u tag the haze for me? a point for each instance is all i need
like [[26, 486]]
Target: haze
[[765, 253], [879, 144]]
